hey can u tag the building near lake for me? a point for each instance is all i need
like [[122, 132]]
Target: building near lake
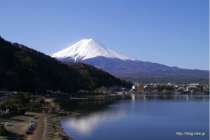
[[149, 87], [140, 88], [191, 88], [134, 88], [194, 84], [206, 88]]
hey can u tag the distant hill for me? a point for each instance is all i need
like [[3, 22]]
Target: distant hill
[[148, 71], [25, 69], [91, 52]]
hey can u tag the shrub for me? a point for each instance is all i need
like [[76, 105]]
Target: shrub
[[21, 111], [41, 101], [3, 131]]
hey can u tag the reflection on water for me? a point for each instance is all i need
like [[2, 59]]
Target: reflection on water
[[138, 117], [88, 105], [134, 97], [86, 124], [173, 97]]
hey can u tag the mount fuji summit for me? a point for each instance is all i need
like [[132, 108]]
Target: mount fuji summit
[[86, 49], [93, 53]]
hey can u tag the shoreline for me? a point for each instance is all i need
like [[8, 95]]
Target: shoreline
[[53, 128], [52, 119]]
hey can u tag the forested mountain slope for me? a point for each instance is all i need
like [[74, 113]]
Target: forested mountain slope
[[25, 69]]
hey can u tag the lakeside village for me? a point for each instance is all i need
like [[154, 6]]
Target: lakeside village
[[159, 88], [149, 88], [170, 88], [14, 99], [24, 107]]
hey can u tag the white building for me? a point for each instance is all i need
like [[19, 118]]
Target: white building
[[194, 84]]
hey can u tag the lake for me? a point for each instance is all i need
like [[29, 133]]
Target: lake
[[135, 117]]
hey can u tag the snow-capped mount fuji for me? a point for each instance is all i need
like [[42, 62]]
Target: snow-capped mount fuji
[[93, 53], [87, 49]]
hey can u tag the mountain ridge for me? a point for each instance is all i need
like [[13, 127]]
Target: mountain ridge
[[130, 68]]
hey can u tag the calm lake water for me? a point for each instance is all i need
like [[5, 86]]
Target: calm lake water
[[139, 117]]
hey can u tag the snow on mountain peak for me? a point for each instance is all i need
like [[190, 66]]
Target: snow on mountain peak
[[86, 49]]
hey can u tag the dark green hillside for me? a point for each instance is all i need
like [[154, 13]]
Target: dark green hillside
[[25, 69]]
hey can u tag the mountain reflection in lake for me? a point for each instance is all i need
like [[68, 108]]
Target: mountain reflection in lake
[[139, 117]]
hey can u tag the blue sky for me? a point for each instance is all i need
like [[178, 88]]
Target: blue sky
[[170, 32]]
